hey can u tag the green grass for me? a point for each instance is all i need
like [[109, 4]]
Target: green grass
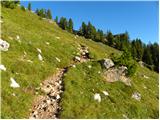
[[33, 33], [81, 83]]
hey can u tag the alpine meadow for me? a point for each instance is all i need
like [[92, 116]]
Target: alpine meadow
[[50, 70]]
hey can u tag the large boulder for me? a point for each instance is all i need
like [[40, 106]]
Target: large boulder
[[108, 63], [117, 74]]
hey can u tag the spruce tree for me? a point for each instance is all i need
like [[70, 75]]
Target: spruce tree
[[48, 14], [63, 23], [70, 25], [147, 57], [109, 38], [56, 19], [84, 29], [29, 6]]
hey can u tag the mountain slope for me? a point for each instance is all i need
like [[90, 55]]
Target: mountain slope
[[22, 63]]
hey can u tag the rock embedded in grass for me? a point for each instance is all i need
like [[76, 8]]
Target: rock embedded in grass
[[47, 43], [17, 37], [105, 93], [97, 97], [58, 59], [14, 84], [40, 57], [4, 45], [89, 66], [136, 96], [77, 58], [1, 21], [58, 38], [145, 76], [108, 63], [2, 67], [39, 50]]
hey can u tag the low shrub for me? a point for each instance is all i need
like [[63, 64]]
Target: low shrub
[[125, 60]]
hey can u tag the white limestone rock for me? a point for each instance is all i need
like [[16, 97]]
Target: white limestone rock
[[17, 37], [2, 67], [47, 43], [14, 84], [77, 58], [136, 96], [4, 45], [97, 97], [39, 50], [58, 97], [58, 38], [145, 76], [105, 93], [58, 59], [40, 57], [108, 63], [89, 66]]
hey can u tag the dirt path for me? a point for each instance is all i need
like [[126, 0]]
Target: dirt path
[[46, 106]]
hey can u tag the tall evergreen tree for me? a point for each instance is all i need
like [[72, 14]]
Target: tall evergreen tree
[[91, 31], [49, 14], [83, 29], [63, 23], [29, 6], [56, 19], [147, 57], [109, 38], [125, 44], [154, 49], [70, 25]]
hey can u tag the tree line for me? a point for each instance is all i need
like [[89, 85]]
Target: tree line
[[148, 53]]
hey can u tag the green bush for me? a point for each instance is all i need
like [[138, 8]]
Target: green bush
[[126, 60], [23, 8], [10, 4]]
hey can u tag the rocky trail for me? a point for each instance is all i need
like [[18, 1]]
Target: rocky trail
[[46, 105]]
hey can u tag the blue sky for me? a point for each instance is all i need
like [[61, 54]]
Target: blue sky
[[140, 19]]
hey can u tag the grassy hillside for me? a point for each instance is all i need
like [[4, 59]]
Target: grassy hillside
[[78, 98], [34, 33]]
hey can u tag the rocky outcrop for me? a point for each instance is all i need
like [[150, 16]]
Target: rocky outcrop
[[117, 74], [108, 63]]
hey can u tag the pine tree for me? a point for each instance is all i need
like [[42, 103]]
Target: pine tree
[[109, 38], [134, 52], [56, 19], [147, 57], [37, 11], [154, 49], [83, 30], [63, 23], [29, 6], [70, 25], [90, 31], [117, 42], [48, 14]]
